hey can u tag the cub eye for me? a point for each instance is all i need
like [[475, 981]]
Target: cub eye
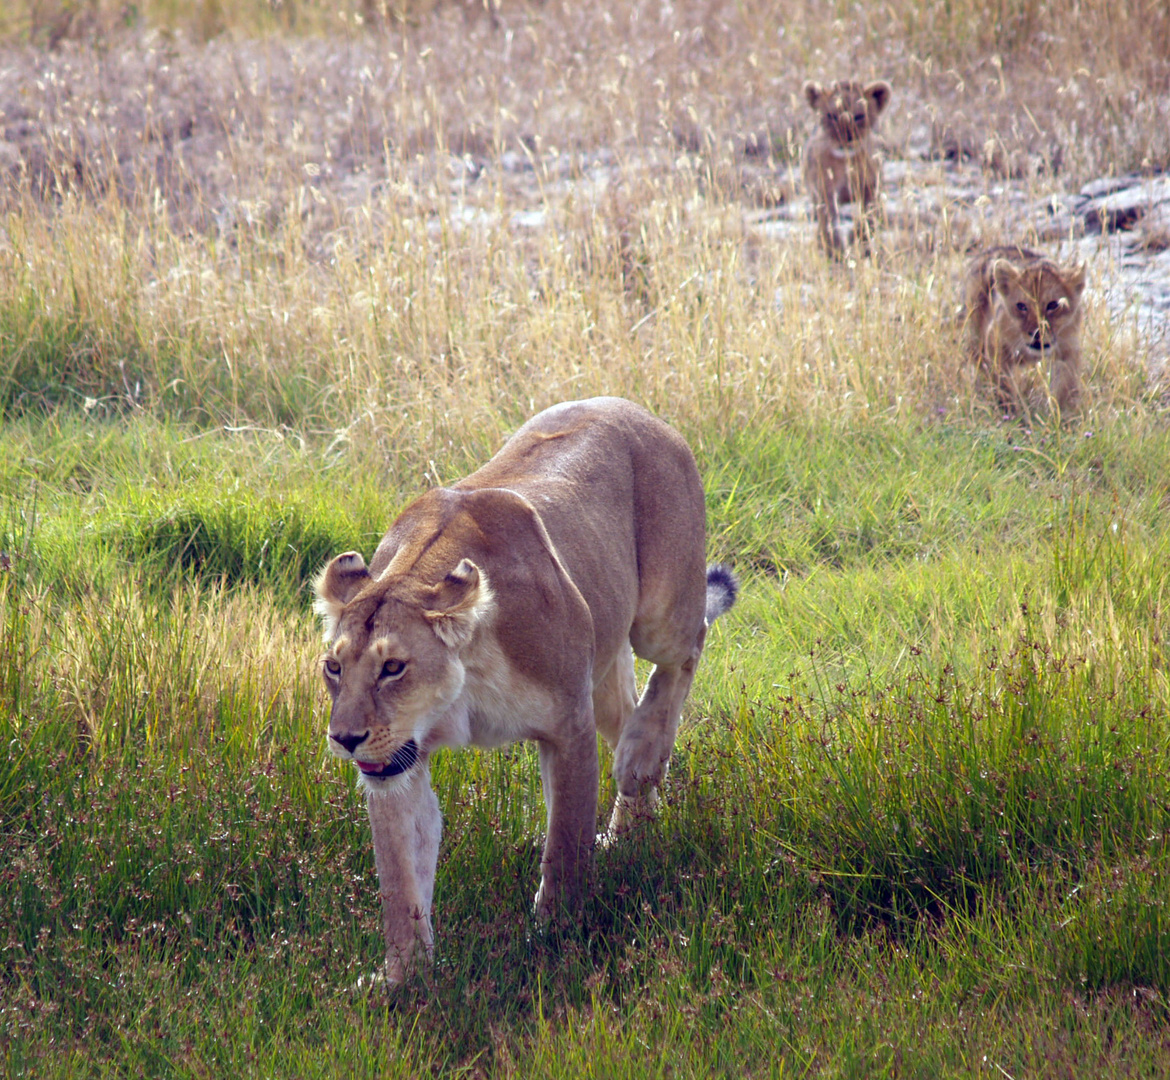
[[332, 668], [392, 669], [859, 118], [1022, 307], [1053, 305]]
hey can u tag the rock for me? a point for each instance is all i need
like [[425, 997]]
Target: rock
[[1095, 189], [1123, 208]]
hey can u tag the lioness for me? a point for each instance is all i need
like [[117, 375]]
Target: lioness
[[503, 608], [839, 163], [1021, 308]]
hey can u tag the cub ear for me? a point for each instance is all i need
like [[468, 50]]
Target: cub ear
[[1003, 275], [812, 93], [1074, 280], [336, 585], [879, 93], [461, 601]]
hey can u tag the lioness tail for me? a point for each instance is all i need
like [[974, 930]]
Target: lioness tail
[[722, 589]]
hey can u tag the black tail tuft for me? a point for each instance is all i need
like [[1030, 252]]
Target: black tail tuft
[[722, 589]]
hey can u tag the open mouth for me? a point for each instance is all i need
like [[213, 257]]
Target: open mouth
[[1040, 346], [402, 759]]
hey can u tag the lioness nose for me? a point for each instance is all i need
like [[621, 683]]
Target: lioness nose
[[350, 742]]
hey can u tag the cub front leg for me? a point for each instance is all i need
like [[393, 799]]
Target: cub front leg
[[1010, 395], [406, 825], [827, 218], [863, 181], [1065, 383], [569, 775]]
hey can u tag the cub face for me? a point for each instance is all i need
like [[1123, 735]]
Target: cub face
[[1036, 308], [848, 110], [1023, 311], [394, 668]]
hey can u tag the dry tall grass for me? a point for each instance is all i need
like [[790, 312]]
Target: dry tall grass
[[448, 217]]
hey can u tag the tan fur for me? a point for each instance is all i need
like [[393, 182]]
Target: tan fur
[[1020, 309], [839, 162], [504, 607]]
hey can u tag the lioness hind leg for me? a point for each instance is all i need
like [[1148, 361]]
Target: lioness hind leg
[[615, 697], [614, 702], [647, 739]]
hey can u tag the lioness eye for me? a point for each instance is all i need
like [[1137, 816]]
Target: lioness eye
[[1053, 305], [1022, 307], [859, 118], [332, 668], [392, 669]]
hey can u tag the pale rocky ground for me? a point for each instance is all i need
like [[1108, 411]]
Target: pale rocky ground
[[230, 136], [1118, 225]]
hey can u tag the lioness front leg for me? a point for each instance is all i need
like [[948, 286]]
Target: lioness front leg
[[406, 825], [569, 775]]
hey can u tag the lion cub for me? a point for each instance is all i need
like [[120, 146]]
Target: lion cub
[[1021, 308], [839, 163]]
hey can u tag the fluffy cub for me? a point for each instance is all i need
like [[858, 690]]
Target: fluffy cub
[[839, 162], [1020, 309]]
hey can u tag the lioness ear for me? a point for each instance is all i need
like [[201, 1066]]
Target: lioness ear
[[336, 585], [812, 93], [461, 601], [879, 93]]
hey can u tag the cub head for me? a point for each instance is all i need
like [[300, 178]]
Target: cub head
[[848, 110], [1036, 306], [394, 663]]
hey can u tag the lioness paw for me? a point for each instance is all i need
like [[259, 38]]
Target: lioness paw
[[639, 764], [629, 813]]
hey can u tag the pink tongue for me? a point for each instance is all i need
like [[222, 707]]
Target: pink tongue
[[369, 766]]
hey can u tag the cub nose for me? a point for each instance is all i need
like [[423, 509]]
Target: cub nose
[[350, 742]]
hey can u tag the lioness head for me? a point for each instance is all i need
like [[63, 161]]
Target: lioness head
[[1036, 306], [394, 666], [848, 110]]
